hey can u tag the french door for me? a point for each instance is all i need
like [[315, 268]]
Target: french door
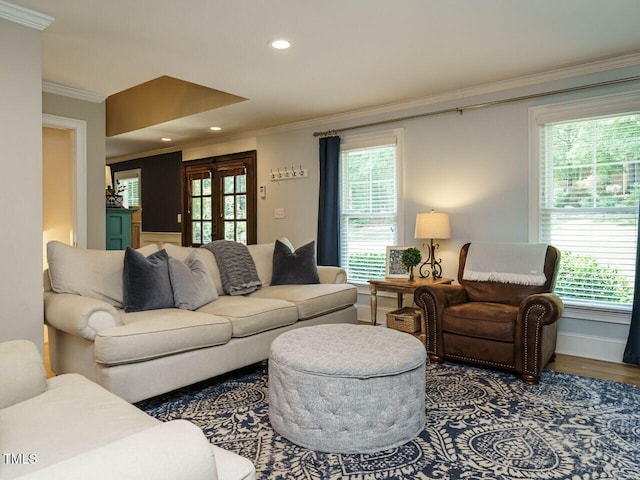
[[220, 199]]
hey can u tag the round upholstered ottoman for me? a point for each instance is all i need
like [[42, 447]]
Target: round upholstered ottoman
[[347, 388]]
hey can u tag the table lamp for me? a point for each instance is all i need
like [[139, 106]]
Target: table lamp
[[108, 182], [432, 225]]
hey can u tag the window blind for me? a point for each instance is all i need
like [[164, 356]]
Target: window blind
[[368, 208], [130, 179], [131, 193], [589, 191]]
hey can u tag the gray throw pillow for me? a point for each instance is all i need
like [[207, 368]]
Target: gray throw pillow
[[146, 281], [297, 267], [191, 282]]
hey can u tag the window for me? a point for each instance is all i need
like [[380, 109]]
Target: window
[[589, 186], [130, 179], [369, 206]]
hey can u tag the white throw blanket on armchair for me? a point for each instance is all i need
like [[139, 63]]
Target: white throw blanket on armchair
[[519, 263]]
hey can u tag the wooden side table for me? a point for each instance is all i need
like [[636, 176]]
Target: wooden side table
[[401, 286]]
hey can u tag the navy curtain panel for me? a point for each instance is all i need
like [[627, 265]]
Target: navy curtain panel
[[329, 202], [632, 350]]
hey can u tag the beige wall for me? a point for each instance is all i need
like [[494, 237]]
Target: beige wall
[[94, 114], [21, 315], [57, 187]]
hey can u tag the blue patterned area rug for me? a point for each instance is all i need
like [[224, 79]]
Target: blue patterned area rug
[[481, 425]]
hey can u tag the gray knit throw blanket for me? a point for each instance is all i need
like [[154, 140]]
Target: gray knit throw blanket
[[237, 268]]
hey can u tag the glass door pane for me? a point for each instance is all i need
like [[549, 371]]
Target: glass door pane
[[234, 204], [202, 230]]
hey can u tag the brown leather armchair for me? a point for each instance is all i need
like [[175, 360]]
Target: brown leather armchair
[[499, 325]]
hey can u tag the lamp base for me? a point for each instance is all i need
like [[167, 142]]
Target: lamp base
[[431, 262]]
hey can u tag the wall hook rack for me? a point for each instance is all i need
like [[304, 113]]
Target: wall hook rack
[[287, 173]]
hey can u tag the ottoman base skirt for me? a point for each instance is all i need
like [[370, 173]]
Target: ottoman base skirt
[[347, 388]]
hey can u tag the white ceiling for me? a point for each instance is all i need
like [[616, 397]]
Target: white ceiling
[[346, 55]]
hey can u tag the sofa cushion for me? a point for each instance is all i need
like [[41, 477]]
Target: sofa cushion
[[90, 273], [249, 315], [294, 267], [181, 253], [191, 283], [22, 374], [159, 333], [494, 321], [147, 285], [312, 300]]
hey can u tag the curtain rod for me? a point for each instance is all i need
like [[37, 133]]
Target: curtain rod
[[460, 110]]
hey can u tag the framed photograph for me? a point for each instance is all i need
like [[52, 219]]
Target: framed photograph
[[395, 268]]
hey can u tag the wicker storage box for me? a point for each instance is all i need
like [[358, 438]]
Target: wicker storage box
[[406, 319]]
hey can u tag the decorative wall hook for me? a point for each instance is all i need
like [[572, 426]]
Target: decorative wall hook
[[286, 174]]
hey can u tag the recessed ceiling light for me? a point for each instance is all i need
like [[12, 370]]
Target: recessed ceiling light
[[165, 139], [280, 44], [215, 129]]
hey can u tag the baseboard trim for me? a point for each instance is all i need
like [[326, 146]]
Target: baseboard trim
[[595, 348]]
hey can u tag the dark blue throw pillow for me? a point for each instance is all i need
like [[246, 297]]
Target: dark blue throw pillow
[[297, 267], [146, 281]]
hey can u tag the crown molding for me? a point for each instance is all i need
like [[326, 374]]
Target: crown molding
[[76, 93], [630, 60], [24, 16]]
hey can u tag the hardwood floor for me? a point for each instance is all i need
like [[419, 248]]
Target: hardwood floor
[[563, 363], [586, 367], [47, 363]]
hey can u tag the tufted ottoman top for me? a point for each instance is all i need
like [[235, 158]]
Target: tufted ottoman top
[[345, 350]]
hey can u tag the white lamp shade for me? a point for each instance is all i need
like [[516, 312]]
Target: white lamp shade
[[108, 183], [433, 225]]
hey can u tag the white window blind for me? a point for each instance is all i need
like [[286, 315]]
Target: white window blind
[[368, 206], [589, 191], [130, 180]]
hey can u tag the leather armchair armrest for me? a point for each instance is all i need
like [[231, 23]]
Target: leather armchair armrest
[[432, 300], [536, 318], [543, 308], [77, 315], [443, 295]]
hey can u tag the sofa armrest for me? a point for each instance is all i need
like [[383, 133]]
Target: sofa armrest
[[78, 315], [329, 274], [231, 466], [22, 374], [171, 450]]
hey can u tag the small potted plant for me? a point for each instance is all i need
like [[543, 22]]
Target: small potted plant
[[114, 199], [410, 258]]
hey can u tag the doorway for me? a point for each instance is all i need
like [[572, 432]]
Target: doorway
[[220, 199], [75, 173], [58, 221]]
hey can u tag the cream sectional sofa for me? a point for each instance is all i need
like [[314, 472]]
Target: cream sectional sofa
[[69, 428], [139, 355]]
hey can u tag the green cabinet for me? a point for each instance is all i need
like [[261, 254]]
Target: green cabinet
[[119, 228]]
